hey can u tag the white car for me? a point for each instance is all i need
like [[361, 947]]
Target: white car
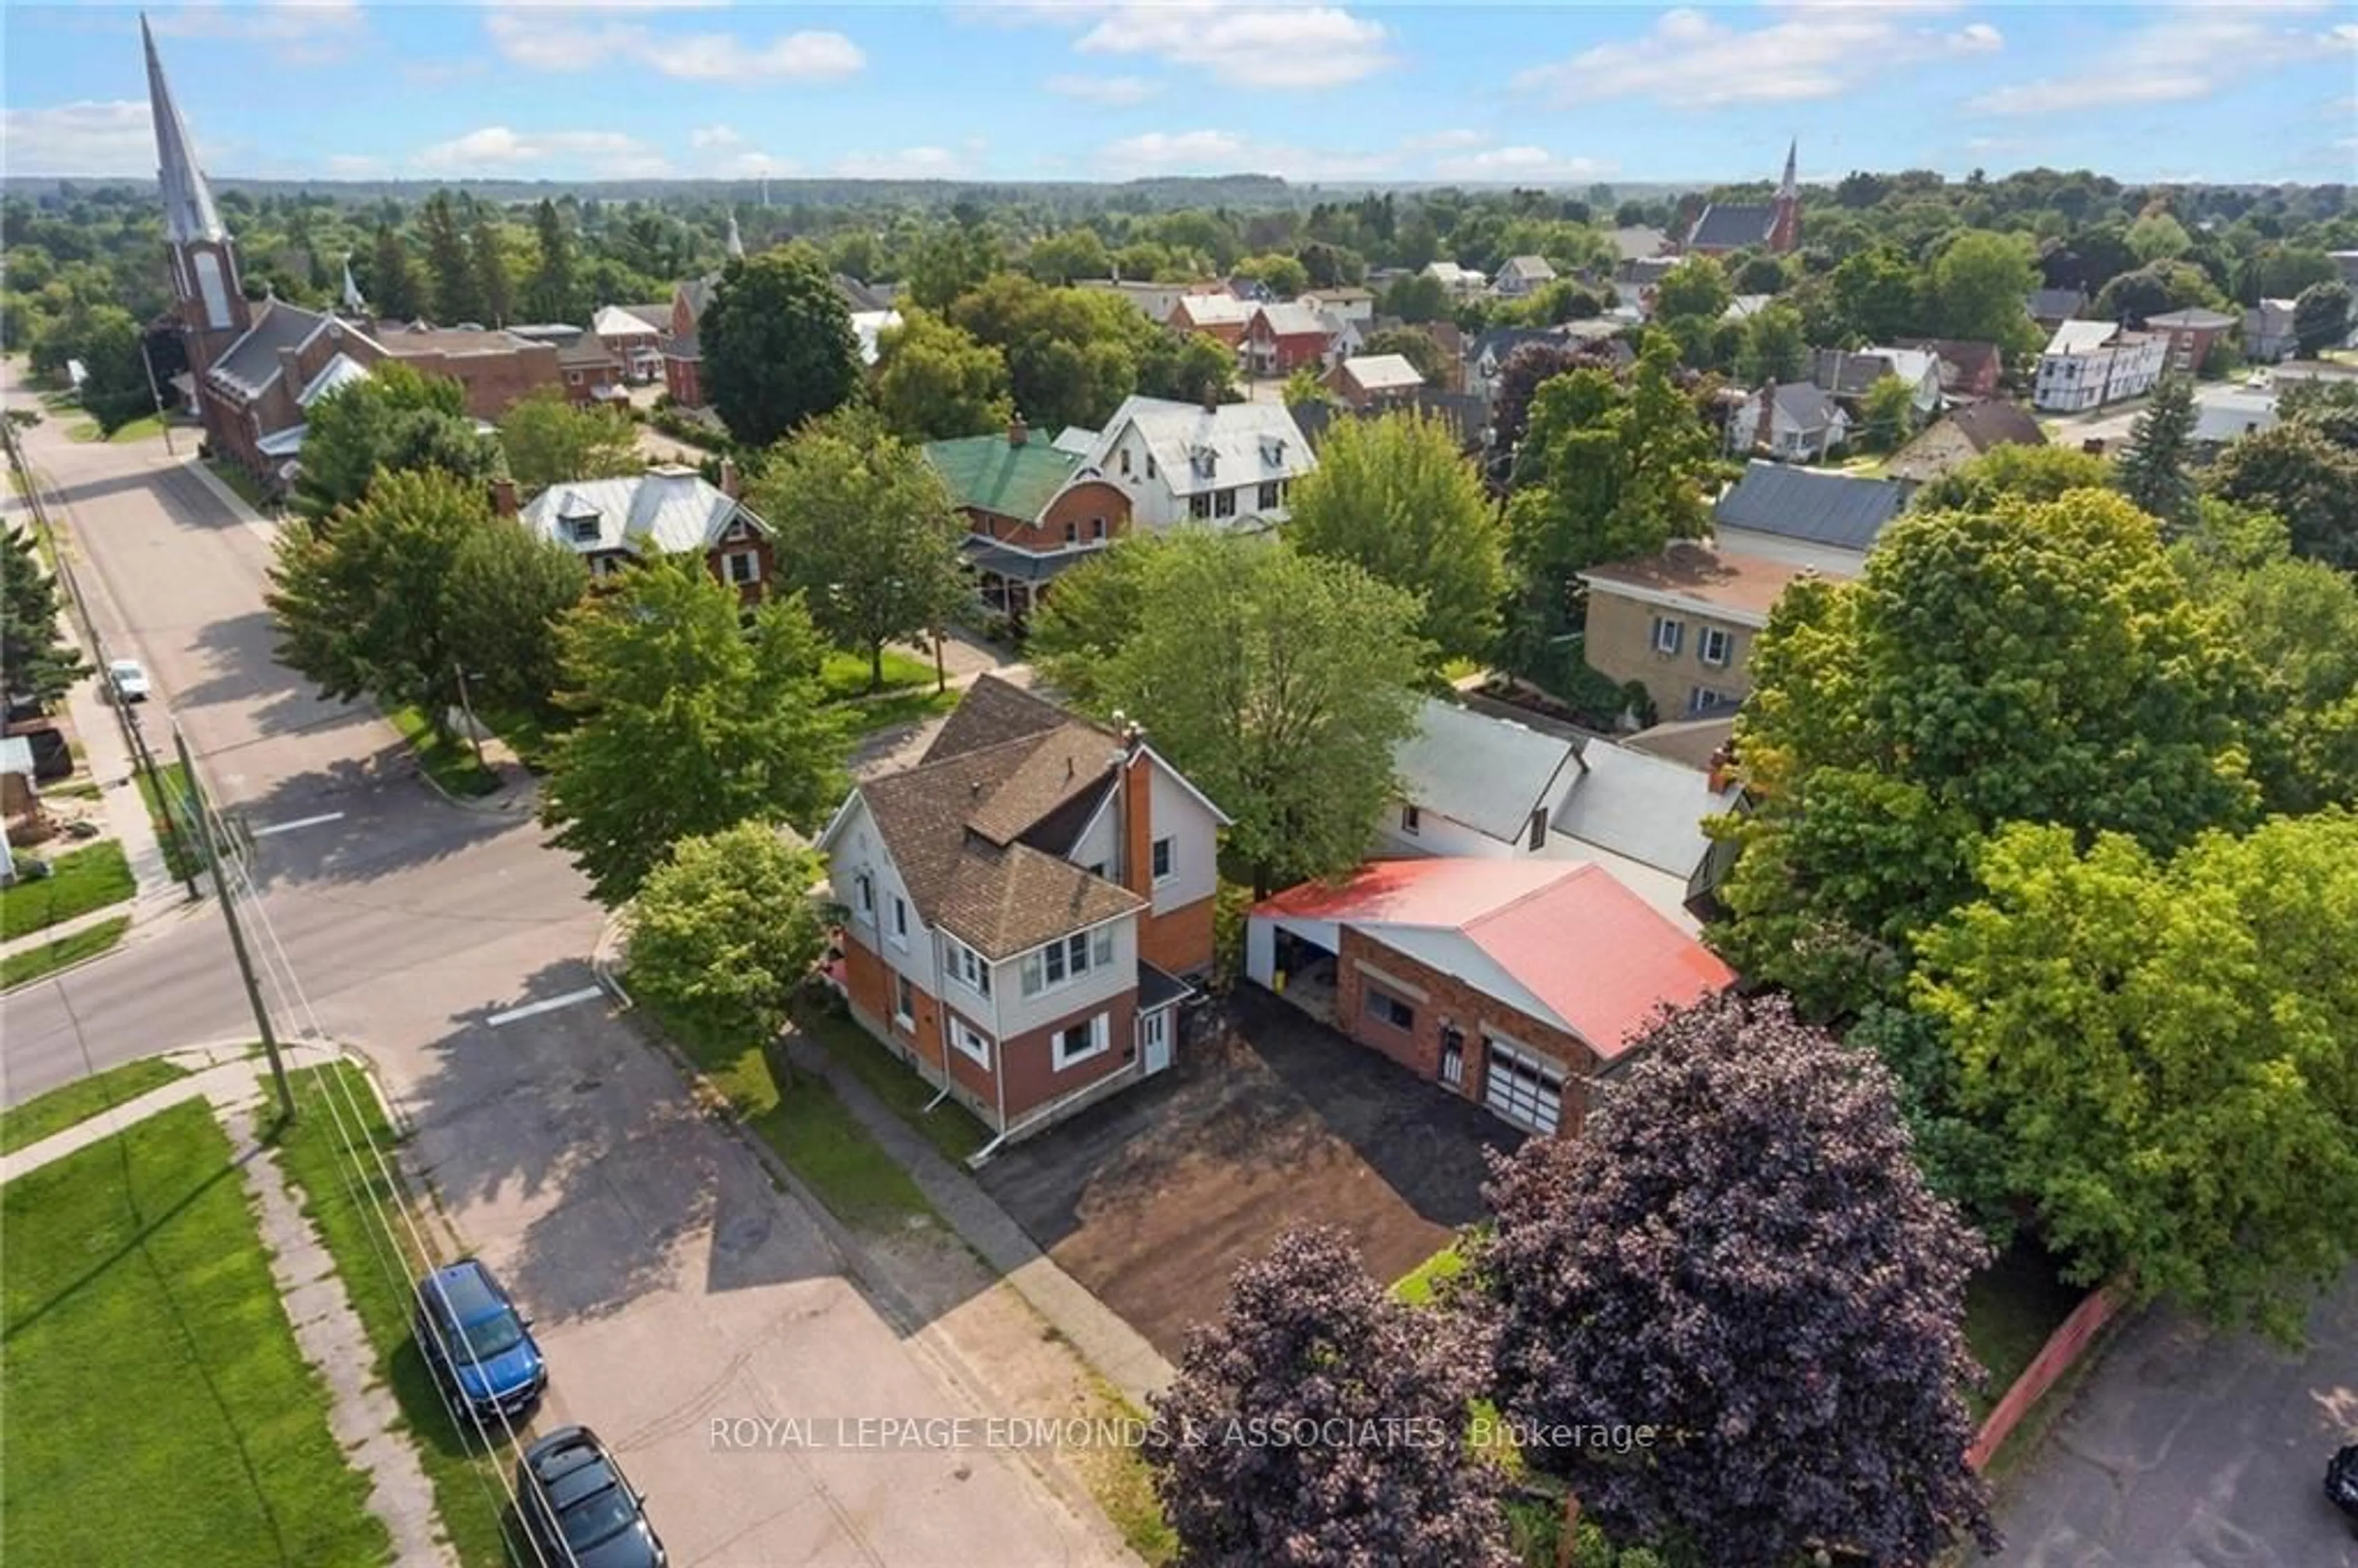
[[128, 679]]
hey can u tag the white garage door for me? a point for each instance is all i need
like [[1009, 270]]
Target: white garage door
[[1525, 1089]]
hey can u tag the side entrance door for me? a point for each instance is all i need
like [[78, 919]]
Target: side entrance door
[[1154, 1041]]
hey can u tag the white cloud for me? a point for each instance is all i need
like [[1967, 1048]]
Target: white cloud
[[607, 155], [909, 163], [715, 136], [1227, 152], [2191, 52], [86, 138], [1522, 164], [1813, 49], [545, 38], [1239, 44], [1113, 91], [312, 33]]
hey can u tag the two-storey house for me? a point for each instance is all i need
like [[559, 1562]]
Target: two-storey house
[[1227, 464], [1023, 905], [2090, 363], [1031, 513], [613, 523], [1681, 624]]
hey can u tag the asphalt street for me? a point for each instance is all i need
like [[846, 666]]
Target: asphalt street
[[672, 1285]]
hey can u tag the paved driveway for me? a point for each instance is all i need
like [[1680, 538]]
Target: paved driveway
[[2189, 1449], [1154, 1197]]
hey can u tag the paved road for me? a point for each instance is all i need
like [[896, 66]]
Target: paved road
[[672, 1284], [2189, 1449]]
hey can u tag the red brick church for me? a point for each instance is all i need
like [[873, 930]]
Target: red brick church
[[1776, 227]]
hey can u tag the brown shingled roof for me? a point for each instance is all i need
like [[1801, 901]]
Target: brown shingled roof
[[993, 711]]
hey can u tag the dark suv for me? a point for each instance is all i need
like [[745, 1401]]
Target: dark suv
[[2341, 1484], [578, 1506], [479, 1347]]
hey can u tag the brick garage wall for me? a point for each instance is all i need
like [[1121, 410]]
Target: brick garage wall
[[1446, 998], [1180, 940]]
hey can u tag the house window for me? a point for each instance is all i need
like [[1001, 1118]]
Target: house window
[[1070, 1047], [969, 968], [1705, 699], [1411, 818], [1271, 496], [863, 898], [1199, 506], [1065, 959], [1538, 837], [1096, 527], [900, 932], [744, 566], [1099, 870], [1224, 503], [1072, 533], [1149, 465], [1125, 462], [1162, 856], [905, 1001], [573, 378], [971, 1044], [1669, 634], [584, 530], [1712, 646], [1386, 1008]]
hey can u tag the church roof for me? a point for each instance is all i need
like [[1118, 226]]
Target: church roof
[[188, 212]]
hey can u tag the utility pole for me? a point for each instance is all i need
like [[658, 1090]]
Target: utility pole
[[474, 731], [145, 761], [163, 416], [236, 933]]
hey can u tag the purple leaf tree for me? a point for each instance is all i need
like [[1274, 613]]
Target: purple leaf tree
[[1739, 1250]]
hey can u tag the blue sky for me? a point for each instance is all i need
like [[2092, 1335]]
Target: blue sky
[[1542, 93]]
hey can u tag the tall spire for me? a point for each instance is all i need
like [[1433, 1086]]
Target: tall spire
[[1789, 189], [736, 240], [189, 212], [354, 302]]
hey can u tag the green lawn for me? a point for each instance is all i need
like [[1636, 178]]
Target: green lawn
[[527, 734], [846, 674], [183, 854], [86, 880], [85, 790], [2010, 1309], [46, 1115], [1416, 1286], [949, 1127], [312, 1153], [33, 962], [239, 481], [154, 1406], [809, 1128], [449, 761], [900, 707]]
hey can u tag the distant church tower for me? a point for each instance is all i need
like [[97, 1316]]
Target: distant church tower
[[1785, 214], [736, 240], [211, 305]]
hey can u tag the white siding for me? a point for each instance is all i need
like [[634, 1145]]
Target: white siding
[[1437, 834], [1153, 504], [1018, 1013], [1195, 851], [859, 848], [1100, 845], [1260, 951]]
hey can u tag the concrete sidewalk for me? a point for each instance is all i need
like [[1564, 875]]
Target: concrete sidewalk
[[1119, 1352]]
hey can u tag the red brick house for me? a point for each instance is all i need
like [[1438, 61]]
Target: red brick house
[[683, 350], [1968, 369], [1517, 984], [612, 523], [1031, 512], [2192, 333], [1374, 381], [1023, 905], [633, 334], [1283, 338]]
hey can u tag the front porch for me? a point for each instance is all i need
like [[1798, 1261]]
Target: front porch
[[1013, 583]]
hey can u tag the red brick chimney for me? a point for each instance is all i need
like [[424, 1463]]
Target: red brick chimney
[[1137, 809], [1017, 432], [732, 483], [503, 497], [1723, 768]]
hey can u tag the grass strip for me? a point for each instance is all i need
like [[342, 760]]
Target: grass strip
[[36, 963], [447, 760], [45, 1116], [77, 884]]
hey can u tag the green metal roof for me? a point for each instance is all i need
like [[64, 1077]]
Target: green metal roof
[[986, 473]]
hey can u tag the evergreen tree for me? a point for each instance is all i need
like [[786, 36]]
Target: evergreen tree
[[549, 297], [2153, 471], [391, 285], [494, 286], [452, 270]]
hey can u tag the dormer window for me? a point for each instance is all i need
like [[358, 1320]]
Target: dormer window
[[1272, 448], [1205, 461], [583, 530]]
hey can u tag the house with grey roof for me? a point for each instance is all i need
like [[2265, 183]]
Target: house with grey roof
[[1774, 225], [1520, 275], [2050, 308], [1476, 784], [1810, 517], [1796, 422], [1227, 464], [1024, 907], [1851, 373], [613, 524]]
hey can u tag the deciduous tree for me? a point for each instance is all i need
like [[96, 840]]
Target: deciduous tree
[[724, 930], [1073, 354], [1977, 288], [934, 381], [1278, 682], [547, 440], [1739, 1252], [505, 591], [2163, 1048], [2321, 317], [689, 722], [778, 345], [2299, 472], [396, 419], [1695, 288], [34, 652], [1395, 497], [866, 533], [1886, 414], [1877, 295], [1774, 347], [1309, 1343], [2016, 471]]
